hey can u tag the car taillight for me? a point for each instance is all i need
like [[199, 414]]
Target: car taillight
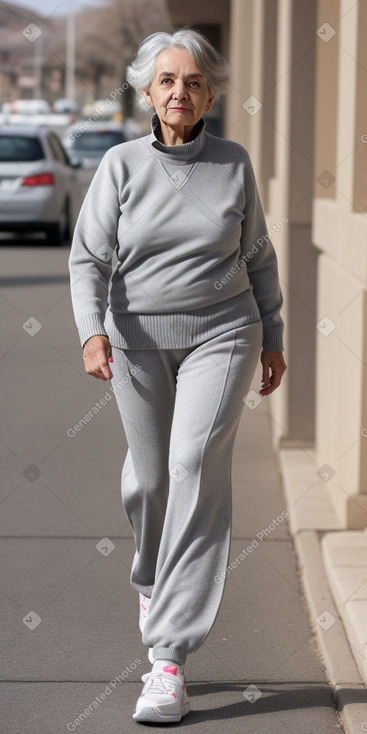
[[39, 179]]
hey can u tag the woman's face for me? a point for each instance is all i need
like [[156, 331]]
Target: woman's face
[[179, 91]]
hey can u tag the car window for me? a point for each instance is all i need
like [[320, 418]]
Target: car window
[[98, 141], [56, 148], [20, 149]]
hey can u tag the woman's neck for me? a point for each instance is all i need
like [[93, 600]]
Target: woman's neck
[[175, 136]]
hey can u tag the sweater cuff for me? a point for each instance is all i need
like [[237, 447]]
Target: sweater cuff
[[91, 325], [273, 339]]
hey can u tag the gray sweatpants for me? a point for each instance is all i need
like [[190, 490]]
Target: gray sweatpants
[[180, 410]]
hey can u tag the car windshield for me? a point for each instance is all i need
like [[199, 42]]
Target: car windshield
[[20, 148], [98, 142]]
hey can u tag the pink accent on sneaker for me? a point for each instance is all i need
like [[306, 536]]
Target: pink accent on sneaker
[[170, 669]]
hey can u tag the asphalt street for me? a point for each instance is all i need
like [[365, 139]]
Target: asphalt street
[[70, 641]]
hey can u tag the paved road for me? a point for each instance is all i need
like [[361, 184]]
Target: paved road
[[69, 636]]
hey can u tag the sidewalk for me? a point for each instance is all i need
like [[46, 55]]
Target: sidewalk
[[70, 641]]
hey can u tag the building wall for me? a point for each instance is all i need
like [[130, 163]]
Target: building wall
[[212, 19], [305, 64], [298, 103], [339, 231], [272, 58]]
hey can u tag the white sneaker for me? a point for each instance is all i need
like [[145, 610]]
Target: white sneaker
[[163, 698], [144, 602]]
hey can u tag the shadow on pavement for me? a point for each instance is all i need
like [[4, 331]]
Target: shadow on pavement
[[19, 280], [275, 697], [27, 239]]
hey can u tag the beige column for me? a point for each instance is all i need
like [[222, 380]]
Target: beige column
[[269, 43], [278, 189], [290, 195], [360, 128], [279, 122], [339, 230], [237, 120], [244, 116]]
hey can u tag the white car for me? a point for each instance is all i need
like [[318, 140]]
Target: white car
[[27, 107], [39, 188], [87, 142]]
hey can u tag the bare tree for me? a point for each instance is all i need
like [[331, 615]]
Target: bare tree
[[107, 38]]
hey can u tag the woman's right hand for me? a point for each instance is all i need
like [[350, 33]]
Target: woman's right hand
[[96, 352]]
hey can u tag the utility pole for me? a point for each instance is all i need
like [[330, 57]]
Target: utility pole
[[37, 65], [70, 55]]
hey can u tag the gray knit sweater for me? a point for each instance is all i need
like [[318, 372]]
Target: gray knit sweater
[[171, 247]]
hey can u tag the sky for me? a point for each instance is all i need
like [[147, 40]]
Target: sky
[[55, 7]]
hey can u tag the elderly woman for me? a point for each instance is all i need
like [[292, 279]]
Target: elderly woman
[[190, 303]]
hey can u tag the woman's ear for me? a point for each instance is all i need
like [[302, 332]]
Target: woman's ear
[[147, 97], [210, 102]]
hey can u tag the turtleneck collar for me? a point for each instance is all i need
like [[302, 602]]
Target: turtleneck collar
[[186, 152]]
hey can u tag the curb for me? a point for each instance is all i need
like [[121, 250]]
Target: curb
[[341, 670], [345, 562]]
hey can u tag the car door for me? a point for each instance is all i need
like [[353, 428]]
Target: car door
[[68, 176]]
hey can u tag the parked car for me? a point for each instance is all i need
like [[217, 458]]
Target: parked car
[[38, 184], [104, 109], [65, 105], [27, 107], [86, 142]]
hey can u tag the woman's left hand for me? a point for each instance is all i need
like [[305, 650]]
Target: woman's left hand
[[273, 371]]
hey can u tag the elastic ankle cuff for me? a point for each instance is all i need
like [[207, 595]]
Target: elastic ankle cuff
[[169, 653]]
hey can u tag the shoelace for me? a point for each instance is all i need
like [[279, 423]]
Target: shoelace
[[159, 683]]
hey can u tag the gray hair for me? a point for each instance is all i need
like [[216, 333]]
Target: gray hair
[[140, 72]]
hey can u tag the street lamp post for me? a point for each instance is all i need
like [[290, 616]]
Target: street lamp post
[[37, 62], [70, 56]]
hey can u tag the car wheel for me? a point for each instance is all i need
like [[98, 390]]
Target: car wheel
[[57, 232], [67, 227]]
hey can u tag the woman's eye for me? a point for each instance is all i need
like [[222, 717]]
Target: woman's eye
[[167, 81]]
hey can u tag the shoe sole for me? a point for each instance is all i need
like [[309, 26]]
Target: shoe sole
[[151, 715]]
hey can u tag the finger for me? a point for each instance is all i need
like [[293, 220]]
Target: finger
[[266, 391], [106, 371], [273, 383], [98, 366], [265, 373], [100, 375], [104, 367], [269, 387]]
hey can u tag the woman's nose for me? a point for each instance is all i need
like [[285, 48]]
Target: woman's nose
[[179, 91]]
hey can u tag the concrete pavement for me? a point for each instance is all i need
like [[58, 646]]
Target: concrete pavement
[[70, 641]]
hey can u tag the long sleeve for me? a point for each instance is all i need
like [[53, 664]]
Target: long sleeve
[[262, 267], [91, 253]]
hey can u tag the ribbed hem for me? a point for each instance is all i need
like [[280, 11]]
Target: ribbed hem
[[180, 330], [90, 325], [169, 653], [273, 338]]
